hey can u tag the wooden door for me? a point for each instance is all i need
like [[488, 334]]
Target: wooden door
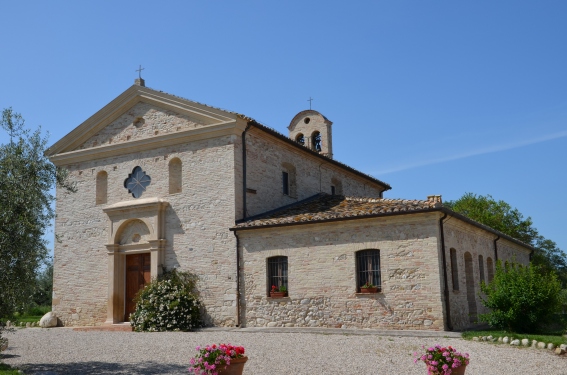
[[138, 274]]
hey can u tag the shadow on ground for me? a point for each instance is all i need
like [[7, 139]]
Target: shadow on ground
[[101, 368]]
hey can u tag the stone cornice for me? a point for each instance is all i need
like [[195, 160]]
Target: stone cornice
[[136, 204], [133, 95], [233, 127]]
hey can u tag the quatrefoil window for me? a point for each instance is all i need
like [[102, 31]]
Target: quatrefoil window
[[137, 182]]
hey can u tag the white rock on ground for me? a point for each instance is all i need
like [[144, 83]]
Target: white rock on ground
[[48, 320]]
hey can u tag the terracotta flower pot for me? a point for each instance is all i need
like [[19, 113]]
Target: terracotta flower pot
[[369, 290], [278, 294], [236, 367], [459, 370]]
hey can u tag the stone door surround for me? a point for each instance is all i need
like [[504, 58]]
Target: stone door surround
[[136, 226]]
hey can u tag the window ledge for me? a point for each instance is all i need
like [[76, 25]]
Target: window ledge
[[367, 294]]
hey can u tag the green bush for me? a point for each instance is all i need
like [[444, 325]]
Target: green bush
[[521, 298], [168, 304]]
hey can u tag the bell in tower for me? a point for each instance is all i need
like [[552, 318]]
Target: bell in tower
[[312, 130]]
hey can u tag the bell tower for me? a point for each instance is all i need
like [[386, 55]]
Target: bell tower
[[312, 130]]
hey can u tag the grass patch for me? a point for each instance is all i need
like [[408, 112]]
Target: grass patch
[[8, 370], [33, 314], [556, 339]]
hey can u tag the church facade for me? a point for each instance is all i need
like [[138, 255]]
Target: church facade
[[164, 182]]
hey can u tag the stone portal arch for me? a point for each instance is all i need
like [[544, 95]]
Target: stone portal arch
[[137, 237]]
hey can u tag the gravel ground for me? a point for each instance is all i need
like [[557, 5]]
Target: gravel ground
[[61, 351]]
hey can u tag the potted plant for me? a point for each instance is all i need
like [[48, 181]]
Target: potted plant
[[368, 288], [443, 360], [222, 359], [278, 292]]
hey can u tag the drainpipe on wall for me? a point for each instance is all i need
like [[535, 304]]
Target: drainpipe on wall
[[244, 171], [446, 287], [496, 250], [244, 217], [237, 280]]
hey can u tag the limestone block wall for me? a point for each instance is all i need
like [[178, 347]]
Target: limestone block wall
[[466, 239], [267, 157], [196, 229], [322, 274]]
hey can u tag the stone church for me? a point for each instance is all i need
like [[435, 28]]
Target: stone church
[[165, 182]]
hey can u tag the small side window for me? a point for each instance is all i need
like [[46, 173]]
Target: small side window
[[454, 269], [285, 180], [277, 274]]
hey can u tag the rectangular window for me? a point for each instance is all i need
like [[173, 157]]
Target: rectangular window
[[454, 269], [277, 273], [285, 178], [332, 190], [481, 267], [368, 268]]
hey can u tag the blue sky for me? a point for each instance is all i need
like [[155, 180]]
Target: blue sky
[[433, 97]]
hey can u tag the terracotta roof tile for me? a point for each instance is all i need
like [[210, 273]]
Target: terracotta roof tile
[[325, 207]]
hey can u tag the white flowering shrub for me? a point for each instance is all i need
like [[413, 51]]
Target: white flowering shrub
[[167, 304]]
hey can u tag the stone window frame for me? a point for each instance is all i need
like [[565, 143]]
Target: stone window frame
[[277, 271], [317, 141], [481, 267], [490, 269], [101, 194], [454, 269], [368, 263], [289, 189], [175, 166], [337, 184]]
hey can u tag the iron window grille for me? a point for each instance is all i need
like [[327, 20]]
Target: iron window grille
[[277, 272], [368, 268]]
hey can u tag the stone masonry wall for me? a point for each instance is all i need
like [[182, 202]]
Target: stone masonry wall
[[265, 156], [197, 223], [464, 238], [322, 279]]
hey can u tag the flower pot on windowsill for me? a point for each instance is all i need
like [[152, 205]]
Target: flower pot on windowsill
[[369, 290], [278, 294], [236, 367]]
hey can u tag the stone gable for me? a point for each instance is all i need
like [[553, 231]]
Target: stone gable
[[142, 121]]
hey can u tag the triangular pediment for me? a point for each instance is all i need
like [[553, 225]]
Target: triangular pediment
[[140, 114]]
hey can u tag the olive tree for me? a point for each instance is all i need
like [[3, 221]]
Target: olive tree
[[26, 179]]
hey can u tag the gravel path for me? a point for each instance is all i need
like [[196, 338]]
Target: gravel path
[[61, 351]]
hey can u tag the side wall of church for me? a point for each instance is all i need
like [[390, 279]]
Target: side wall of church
[[322, 274], [476, 246], [196, 227], [267, 157]]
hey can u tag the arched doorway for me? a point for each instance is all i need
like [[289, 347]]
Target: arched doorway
[[469, 275], [136, 252]]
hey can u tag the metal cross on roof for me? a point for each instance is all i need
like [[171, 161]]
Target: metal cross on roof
[[140, 71], [310, 100]]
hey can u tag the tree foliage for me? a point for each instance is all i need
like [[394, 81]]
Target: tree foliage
[[521, 298], [508, 220], [26, 177], [496, 214]]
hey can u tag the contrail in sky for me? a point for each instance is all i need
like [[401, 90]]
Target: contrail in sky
[[482, 151]]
